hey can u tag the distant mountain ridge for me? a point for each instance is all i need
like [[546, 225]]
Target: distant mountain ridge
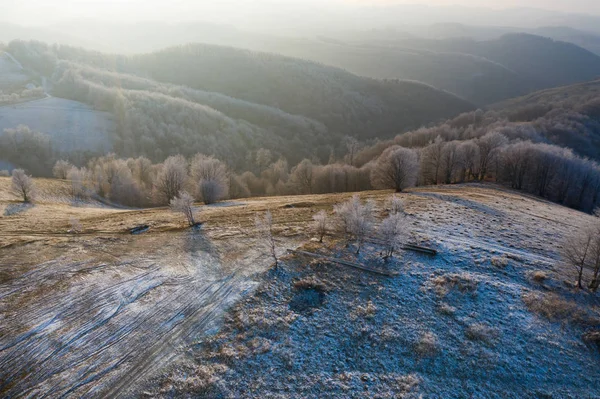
[[482, 64]]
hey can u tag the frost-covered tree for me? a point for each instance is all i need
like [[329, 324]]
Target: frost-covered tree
[[515, 163], [320, 224], [431, 161], [451, 161], [396, 168], [123, 188], [489, 147], [23, 185], [61, 169], [353, 146], [171, 178], [469, 160], [264, 157], [578, 250], [184, 203], [211, 178], [393, 233], [355, 219], [77, 177]]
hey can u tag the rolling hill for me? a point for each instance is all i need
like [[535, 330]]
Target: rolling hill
[[484, 71], [226, 102], [481, 64]]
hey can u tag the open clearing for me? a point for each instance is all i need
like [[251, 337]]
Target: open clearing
[[71, 125], [103, 312], [11, 73]]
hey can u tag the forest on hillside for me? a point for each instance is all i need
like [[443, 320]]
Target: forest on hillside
[[522, 144], [284, 126], [246, 86]]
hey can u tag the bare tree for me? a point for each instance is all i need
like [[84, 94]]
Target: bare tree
[[355, 219], [171, 178], [489, 146], [211, 176], [302, 176], [469, 160], [22, 185], [184, 203], [451, 160], [515, 163], [393, 233], [61, 169], [264, 229], [353, 146], [320, 224], [431, 161], [396, 205], [595, 256], [77, 179], [238, 188], [577, 251], [396, 168]]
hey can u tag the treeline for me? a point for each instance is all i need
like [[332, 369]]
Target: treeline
[[568, 117], [34, 152], [21, 95], [542, 169], [137, 182]]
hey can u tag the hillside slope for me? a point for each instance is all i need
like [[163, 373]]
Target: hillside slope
[[493, 315], [484, 71], [227, 101], [343, 101], [490, 311]]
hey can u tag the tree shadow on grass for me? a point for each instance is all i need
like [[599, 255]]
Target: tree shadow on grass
[[14, 209]]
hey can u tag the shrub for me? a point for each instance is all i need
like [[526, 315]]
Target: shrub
[[555, 308], [427, 345], [481, 332], [539, 276]]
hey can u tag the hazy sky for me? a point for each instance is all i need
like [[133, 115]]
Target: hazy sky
[[36, 12]]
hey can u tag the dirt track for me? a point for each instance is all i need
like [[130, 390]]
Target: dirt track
[[85, 324]]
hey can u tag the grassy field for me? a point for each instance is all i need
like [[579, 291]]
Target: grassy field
[[177, 312], [71, 125]]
